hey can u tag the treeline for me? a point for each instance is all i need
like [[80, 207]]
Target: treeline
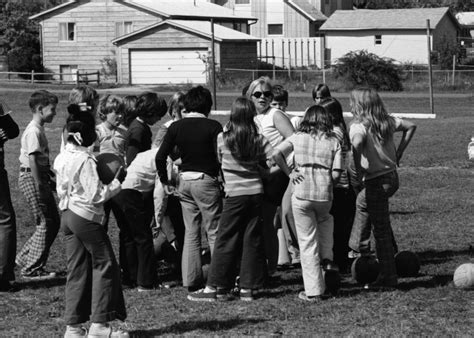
[[455, 5]]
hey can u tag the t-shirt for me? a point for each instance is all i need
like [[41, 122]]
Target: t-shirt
[[196, 139], [242, 178], [112, 140], [33, 141], [141, 173], [376, 159], [315, 158], [138, 138]]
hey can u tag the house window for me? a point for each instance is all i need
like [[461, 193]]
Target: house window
[[378, 39], [68, 72], [242, 2], [123, 28], [67, 31], [241, 27], [275, 29]]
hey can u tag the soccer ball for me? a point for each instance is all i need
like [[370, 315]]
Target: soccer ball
[[332, 278], [464, 276], [107, 166], [407, 263], [365, 269]]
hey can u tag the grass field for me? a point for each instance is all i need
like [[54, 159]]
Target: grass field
[[432, 214]]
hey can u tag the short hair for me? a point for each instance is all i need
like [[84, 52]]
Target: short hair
[[42, 98], [280, 94], [130, 111], [84, 94], [322, 89], [149, 104], [110, 104], [198, 99]]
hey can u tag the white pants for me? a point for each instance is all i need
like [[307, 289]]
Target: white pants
[[314, 228]]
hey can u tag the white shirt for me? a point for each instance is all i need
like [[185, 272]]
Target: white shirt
[[33, 141], [142, 173]]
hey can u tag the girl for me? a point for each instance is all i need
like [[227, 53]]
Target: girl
[[240, 150], [275, 126], [320, 93], [343, 205], [93, 289], [318, 162], [376, 158], [111, 134]]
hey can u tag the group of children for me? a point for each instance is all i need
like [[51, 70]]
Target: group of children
[[265, 190]]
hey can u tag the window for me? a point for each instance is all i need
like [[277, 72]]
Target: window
[[242, 2], [67, 31], [241, 27], [275, 29], [378, 39], [68, 72], [123, 28]]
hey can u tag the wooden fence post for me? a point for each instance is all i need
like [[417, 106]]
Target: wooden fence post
[[32, 76], [98, 78], [77, 78]]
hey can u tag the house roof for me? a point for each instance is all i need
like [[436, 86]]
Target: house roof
[[173, 9], [202, 28], [365, 19], [307, 10]]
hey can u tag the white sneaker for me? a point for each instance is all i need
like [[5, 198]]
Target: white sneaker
[[75, 331], [98, 330]]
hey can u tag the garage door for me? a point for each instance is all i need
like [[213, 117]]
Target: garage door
[[167, 66]]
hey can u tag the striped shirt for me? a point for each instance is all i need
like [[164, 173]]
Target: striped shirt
[[315, 158], [242, 178]]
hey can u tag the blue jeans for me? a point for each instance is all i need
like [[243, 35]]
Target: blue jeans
[[201, 204], [7, 228]]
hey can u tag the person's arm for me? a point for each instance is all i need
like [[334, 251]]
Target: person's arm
[[161, 157], [283, 124], [337, 166], [95, 191], [134, 141], [35, 171], [8, 128], [358, 142], [408, 128]]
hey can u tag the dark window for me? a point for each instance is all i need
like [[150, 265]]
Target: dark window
[[67, 31], [378, 39], [275, 29], [242, 2]]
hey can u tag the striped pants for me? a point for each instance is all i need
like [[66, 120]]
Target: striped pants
[[35, 251]]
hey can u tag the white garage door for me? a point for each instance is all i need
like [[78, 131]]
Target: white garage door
[[167, 66]]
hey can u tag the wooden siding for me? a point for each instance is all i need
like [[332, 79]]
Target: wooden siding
[[259, 10], [445, 30], [95, 28], [296, 25], [240, 55]]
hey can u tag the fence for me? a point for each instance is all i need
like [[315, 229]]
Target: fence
[[55, 78]]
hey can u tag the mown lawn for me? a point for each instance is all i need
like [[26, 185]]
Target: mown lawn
[[432, 214]]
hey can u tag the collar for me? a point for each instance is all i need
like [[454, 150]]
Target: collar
[[194, 114]]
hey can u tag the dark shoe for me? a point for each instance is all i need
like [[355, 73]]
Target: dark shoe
[[6, 286], [156, 287], [246, 295], [38, 275], [224, 294], [201, 296], [328, 265]]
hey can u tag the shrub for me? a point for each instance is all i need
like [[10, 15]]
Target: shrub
[[361, 68]]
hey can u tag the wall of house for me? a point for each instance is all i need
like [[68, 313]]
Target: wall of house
[[163, 37], [445, 30], [295, 24], [95, 28], [259, 10], [403, 46]]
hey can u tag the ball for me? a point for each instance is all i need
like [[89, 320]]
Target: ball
[[464, 276], [332, 278], [407, 264], [365, 269], [107, 166]]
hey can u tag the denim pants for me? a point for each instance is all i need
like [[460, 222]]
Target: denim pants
[[93, 289], [201, 205], [239, 240], [288, 224], [7, 228], [137, 257], [372, 213], [314, 226]]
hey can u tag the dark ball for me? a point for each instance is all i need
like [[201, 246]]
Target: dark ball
[[407, 263], [365, 269]]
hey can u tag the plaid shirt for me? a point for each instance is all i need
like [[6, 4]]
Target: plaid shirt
[[315, 158]]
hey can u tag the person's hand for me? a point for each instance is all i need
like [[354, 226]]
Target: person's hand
[[296, 177], [169, 189], [3, 135], [399, 157]]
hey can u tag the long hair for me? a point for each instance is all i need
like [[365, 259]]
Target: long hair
[[176, 105], [323, 91], [241, 136], [369, 109], [264, 81], [334, 108], [316, 120]]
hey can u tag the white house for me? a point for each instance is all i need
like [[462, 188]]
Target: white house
[[400, 34]]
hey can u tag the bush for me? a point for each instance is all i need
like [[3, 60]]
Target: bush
[[361, 68]]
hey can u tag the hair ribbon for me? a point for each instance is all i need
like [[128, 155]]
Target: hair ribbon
[[77, 137], [84, 107]]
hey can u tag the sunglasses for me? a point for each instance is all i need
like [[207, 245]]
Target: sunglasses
[[267, 94]]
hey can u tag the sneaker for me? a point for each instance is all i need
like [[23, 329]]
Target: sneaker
[[99, 330], [353, 254], [75, 331], [39, 274], [246, 295], [141, 288], [314, 299], [224, 294], [201, 296]]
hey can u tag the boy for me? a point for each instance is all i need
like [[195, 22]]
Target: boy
[[280, 98], [8, 130], [35, 183], [199, 189]]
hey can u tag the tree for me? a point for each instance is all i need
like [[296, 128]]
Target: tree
[[21, 36]]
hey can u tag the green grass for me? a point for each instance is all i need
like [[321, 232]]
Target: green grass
[[431, 215]]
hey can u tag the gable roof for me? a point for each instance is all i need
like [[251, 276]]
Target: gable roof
[[365, 19], [173, 9], [202, 28], [307, 10]]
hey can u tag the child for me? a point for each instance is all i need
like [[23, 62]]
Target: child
[[35, 183], [93, 288], [318, 162], [241, 149], [111, 134], [280, 98], [376, 158], [195, 137], [320, 93], [8, 130], [150, 109], [343, 205]]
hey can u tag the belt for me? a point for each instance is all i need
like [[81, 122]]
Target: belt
[[25, 170]]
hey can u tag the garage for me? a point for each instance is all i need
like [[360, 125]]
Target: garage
[[168, 66]]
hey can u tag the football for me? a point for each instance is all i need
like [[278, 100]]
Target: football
[[365, 269], [107, 166], [464, 276], [407, 264]]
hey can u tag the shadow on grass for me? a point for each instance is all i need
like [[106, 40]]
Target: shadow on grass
[[45, 284], [186, 326], [433, 256]]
